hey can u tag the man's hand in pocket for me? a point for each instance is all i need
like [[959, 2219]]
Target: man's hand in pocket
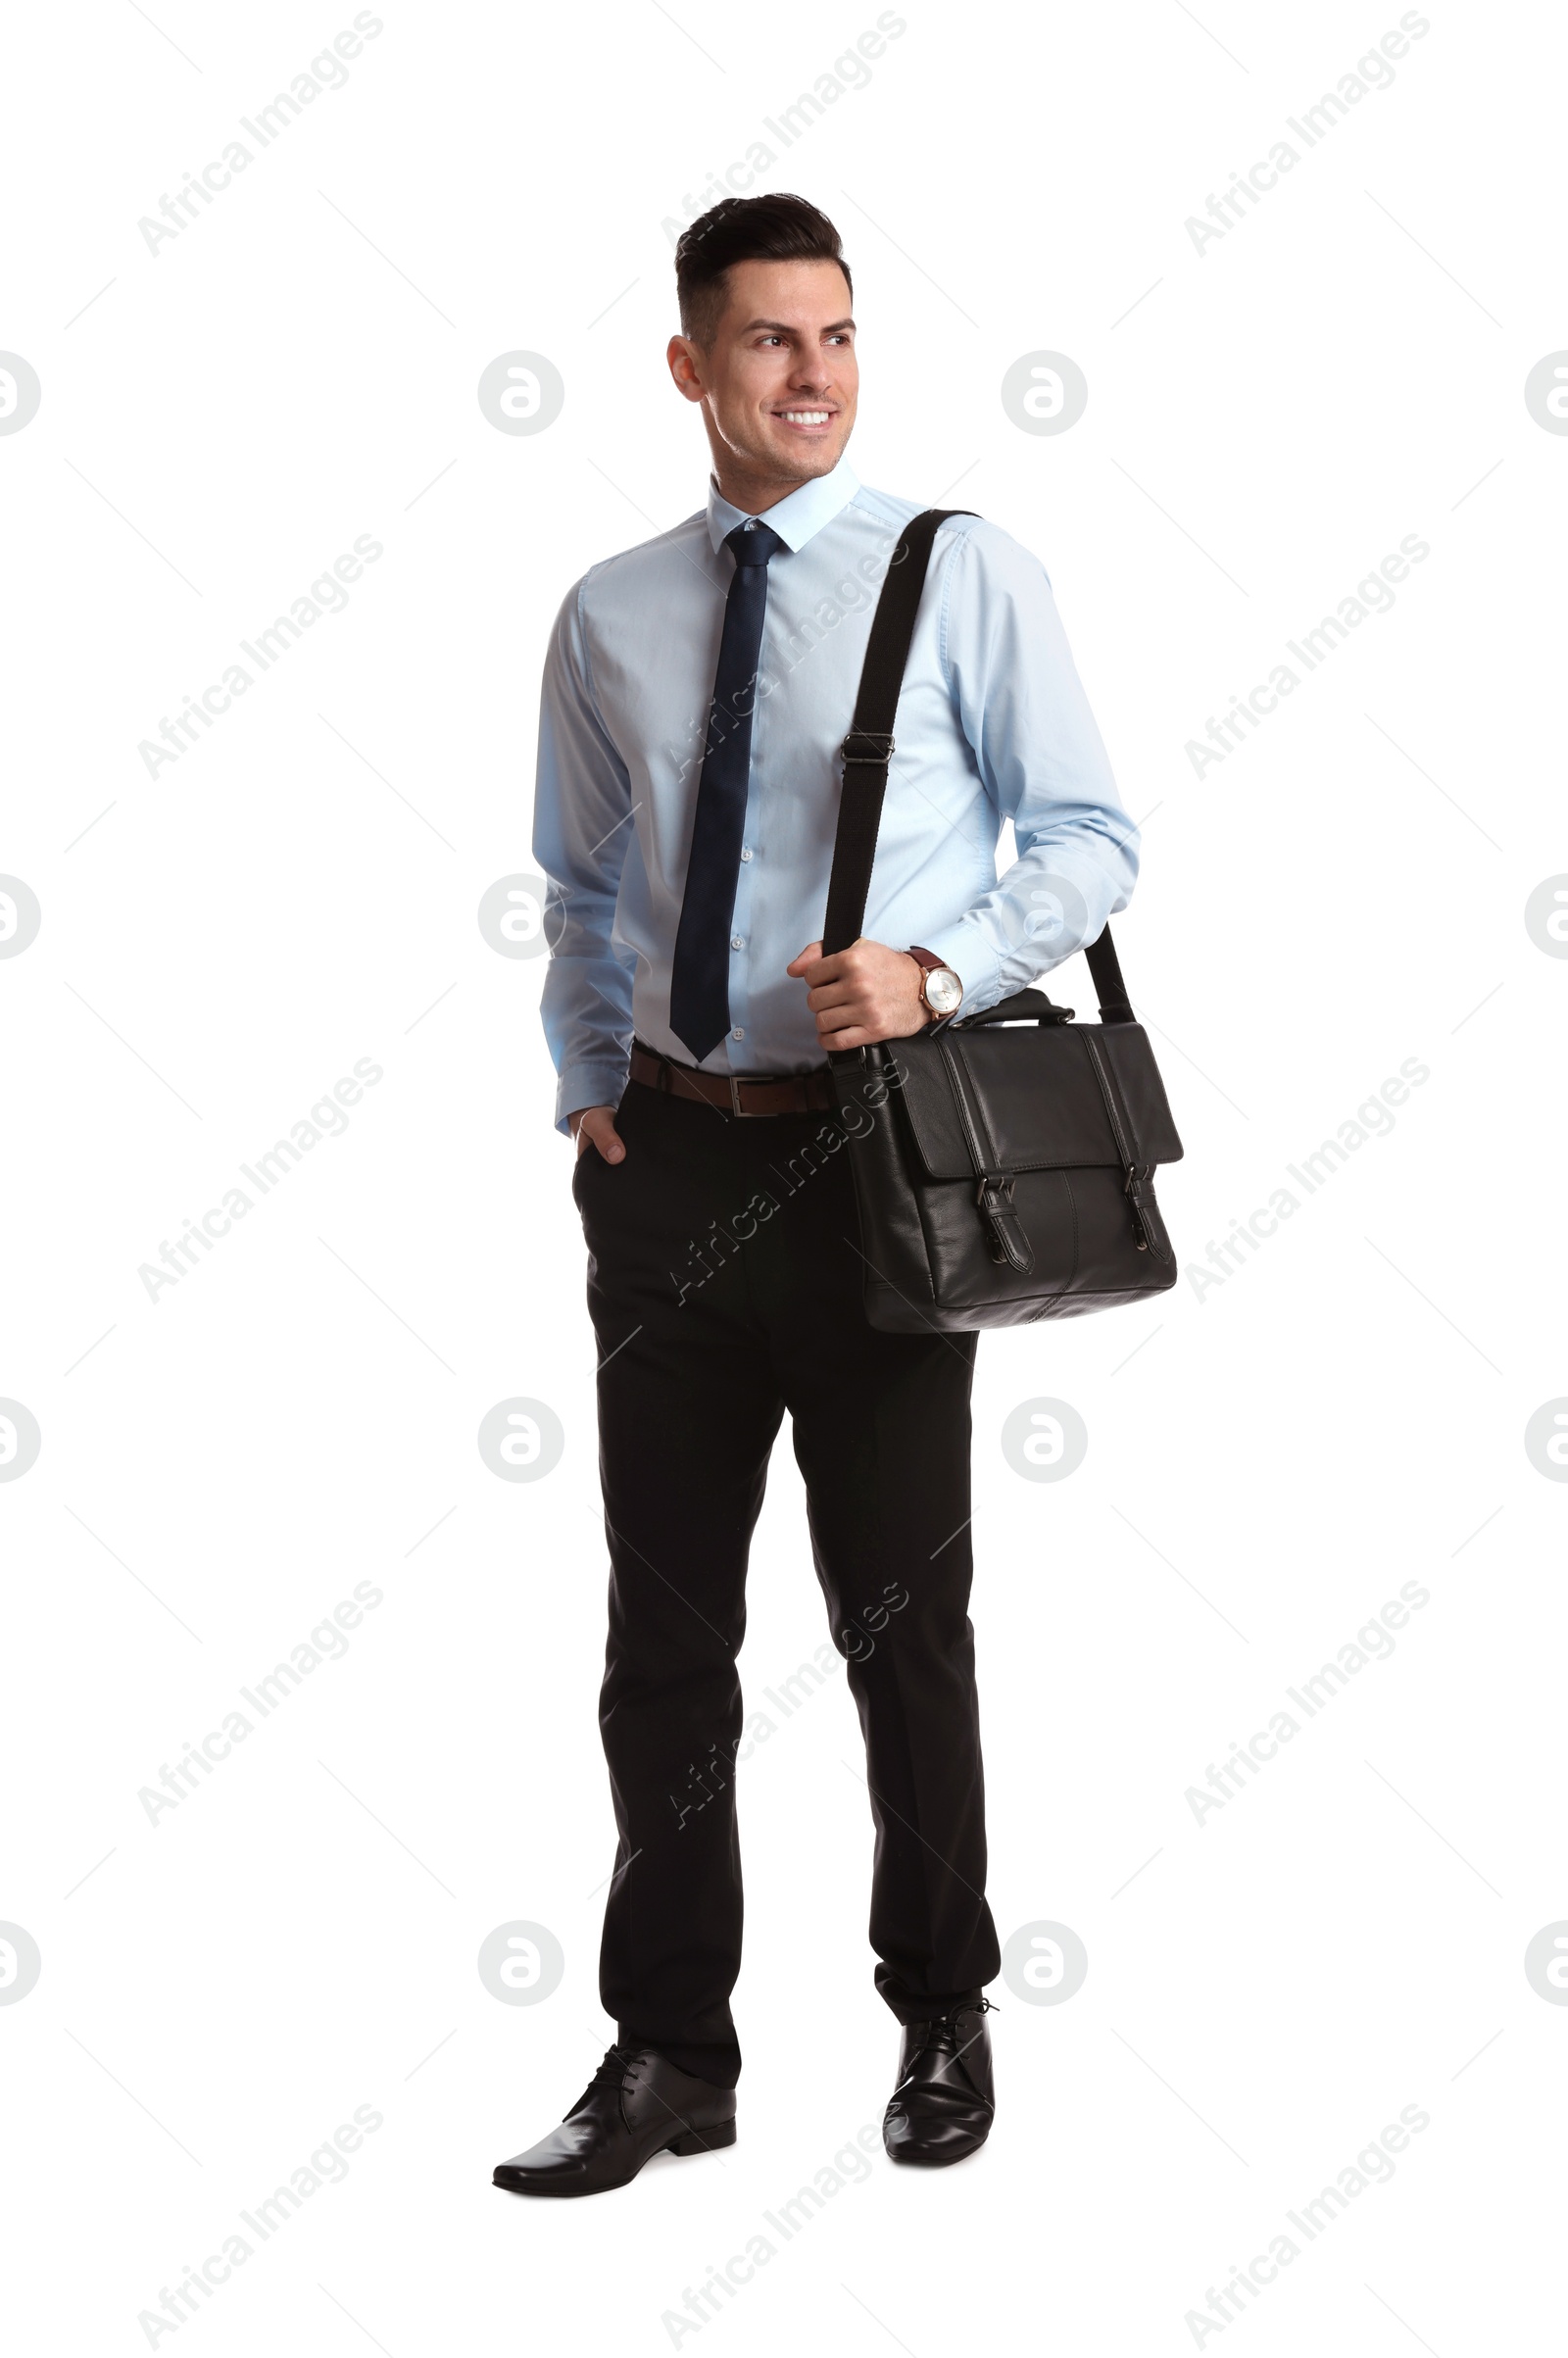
[[595, 1126]]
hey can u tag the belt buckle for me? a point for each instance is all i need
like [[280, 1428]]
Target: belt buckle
[[735, 1105]]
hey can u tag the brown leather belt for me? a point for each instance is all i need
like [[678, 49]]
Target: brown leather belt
[[789, 1093]]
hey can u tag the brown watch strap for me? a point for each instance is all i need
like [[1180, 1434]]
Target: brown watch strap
[[928, 962]]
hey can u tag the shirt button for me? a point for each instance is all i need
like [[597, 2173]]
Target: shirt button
[[746, 855], [737, 941], [738, 1033]]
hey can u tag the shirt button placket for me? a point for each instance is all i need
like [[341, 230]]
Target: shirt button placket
[[738, 995]]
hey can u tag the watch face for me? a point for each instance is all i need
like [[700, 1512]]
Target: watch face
[[943, 990]]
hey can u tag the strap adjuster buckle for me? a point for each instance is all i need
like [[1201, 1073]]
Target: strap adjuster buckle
[[874, 746]]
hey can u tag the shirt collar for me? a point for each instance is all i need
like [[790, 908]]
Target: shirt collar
[[797, 518]]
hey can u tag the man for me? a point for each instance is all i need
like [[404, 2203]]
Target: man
[[696, 695]]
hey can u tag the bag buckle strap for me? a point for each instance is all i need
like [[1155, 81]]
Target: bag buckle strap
[[1008, 1242], [1139, 1175], [873, 746]]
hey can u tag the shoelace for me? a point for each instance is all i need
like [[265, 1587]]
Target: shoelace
[[942, 2034], [611, 2073]]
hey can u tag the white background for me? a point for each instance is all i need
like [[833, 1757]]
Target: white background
[[1267, 418]]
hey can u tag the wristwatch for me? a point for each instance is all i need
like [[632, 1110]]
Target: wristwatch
[[941, 991]]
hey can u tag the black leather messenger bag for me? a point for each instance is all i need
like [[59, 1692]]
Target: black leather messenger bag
[[1003, 1162]]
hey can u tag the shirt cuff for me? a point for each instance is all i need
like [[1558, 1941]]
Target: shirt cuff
[[965, 950], [592, 1082]]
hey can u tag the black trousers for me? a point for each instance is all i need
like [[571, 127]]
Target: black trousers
[[724, 1287]]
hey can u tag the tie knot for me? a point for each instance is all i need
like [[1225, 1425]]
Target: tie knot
[[753, 544]]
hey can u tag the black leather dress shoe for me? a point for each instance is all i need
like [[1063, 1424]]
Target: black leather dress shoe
[[943, 2104], [635, 2105]]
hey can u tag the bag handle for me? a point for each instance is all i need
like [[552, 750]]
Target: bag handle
[[1024, 1006], [867, 751]]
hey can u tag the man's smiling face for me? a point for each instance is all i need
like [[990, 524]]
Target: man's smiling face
[[777, 381]]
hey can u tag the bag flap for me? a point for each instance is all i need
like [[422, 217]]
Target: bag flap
[[1036, 1091], [1143, 1092]]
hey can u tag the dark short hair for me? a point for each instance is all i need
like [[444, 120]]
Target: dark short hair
[[761, 228]]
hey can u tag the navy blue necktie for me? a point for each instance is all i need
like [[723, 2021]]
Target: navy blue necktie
[[699, 985]]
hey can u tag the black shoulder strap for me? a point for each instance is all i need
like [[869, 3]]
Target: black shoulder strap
[[868, 748]]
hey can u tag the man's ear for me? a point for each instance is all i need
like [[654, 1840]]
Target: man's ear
[[685, 364]]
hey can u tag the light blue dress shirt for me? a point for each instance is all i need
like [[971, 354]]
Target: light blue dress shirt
[[993, 724]]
